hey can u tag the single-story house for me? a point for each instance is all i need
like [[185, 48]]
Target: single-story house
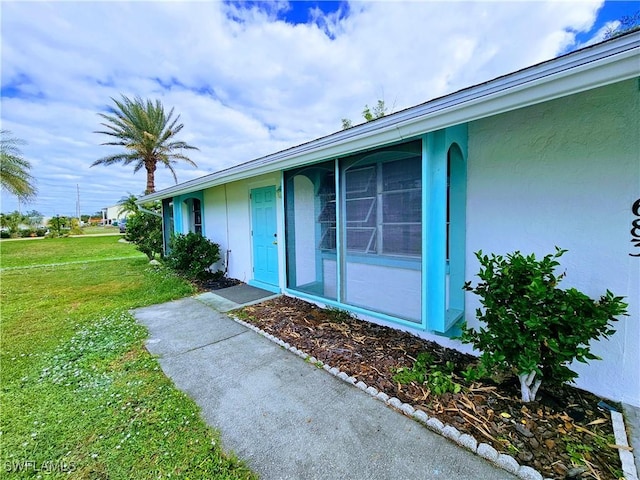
[[383, 219]]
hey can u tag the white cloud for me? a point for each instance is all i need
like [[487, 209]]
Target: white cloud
[[244, 83], [601, 33]]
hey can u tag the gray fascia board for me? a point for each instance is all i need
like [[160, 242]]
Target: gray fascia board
[[613, 61], [626, 66]]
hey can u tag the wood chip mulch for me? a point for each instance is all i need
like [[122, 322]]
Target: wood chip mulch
[[563, 435]]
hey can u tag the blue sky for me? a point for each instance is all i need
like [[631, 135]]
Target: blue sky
[[249, 78]]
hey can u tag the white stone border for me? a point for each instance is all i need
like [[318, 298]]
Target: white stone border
[[626, 457], [484, 450]]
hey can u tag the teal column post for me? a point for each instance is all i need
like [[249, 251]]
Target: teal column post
[[457, 227], [434, 226]]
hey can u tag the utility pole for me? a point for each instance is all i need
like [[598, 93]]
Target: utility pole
[[78, 204]]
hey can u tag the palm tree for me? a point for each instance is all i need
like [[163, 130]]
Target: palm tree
[[128, 205], [14, 170], [148, 135]]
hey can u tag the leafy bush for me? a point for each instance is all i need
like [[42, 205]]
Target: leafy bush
[[33, 232], [145, 230], [473, 373], [438, 379], [192, 254], [58, 226], [339, 315], [75, 227], [531, 325]]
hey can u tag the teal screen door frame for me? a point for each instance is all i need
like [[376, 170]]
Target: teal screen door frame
[[264, 227]]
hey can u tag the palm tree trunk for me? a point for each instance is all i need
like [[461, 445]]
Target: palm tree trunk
[[151, 181]]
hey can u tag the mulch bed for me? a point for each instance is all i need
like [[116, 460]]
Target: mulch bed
[[563, 435], [217, 284]]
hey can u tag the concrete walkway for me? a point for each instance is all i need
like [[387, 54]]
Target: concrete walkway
[[287, 418]]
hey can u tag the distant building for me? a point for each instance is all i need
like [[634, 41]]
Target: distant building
[[113, 215]]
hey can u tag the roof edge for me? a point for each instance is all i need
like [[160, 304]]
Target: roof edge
[[584, 69]]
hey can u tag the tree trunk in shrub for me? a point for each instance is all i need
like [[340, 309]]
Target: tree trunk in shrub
[[529, 387]]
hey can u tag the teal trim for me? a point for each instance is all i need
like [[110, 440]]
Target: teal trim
[[315, 176], [177, 216], [316, 181], [168, 224], [457, 153], [436, 210], [340, 205], [180, 208], [288, 202], [282, 228], [425, 230], [351, 308], [438, 316], [289, 234], [264, 286], [443, 148]]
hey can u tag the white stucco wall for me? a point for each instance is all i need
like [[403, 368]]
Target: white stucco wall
[[566, 173], [227, 219], [214, 218], [562, 173]]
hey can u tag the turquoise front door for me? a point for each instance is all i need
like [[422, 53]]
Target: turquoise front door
[[265, 238]]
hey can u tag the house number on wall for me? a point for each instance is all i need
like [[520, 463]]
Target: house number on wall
[[635, 227]]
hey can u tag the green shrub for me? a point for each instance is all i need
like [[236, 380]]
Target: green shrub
[[339, 315], [474, 373], [533, 327], [75, 227], [145, 231], [438, 379], [192, 254], [57, 227]]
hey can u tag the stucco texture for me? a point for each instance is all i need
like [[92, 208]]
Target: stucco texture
[[227, 222], [566, 173]]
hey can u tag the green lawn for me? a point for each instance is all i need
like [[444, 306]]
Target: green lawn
[[78, 390], [100, 229], [48, 251]]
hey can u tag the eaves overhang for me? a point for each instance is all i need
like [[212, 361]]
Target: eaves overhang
[[592, 67]]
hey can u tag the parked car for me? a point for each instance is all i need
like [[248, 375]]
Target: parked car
[[123, 227]]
